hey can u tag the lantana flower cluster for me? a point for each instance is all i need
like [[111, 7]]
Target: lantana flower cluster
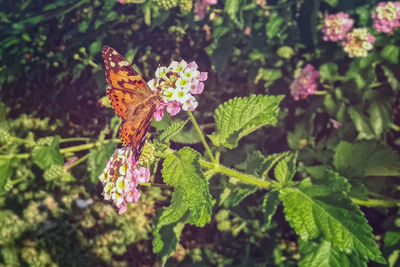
[[177, 84], [358, 42], [387, 17], [121, 177], [336, 26], [305, 84]]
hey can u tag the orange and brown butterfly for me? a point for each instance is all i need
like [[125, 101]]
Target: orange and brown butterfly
[[131, 98]]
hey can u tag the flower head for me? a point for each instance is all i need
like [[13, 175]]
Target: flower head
[[120, 178], [201, 7], [336, 26], [305, 84], [386, 17], [358, 42], [176, 85]]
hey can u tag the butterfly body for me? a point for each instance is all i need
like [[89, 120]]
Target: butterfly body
[[131, 99]]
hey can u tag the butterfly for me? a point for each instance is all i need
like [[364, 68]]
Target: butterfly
[[131, 98]]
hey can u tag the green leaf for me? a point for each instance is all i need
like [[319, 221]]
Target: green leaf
[[191, 201], [268, 75], [45, 156], [98, 158], [391, 78], [187, 137], [270, 204], [332, 3], [6, 172], [239, 117], [366, 159], [390, 53], [328, 72], [285, 52], [361, 124], [235, 192], [326, 255], [274, 25], [172, 130], [321, 209], [379, 118], [391, 238], [286, 168], [95, 48], [83, 26]]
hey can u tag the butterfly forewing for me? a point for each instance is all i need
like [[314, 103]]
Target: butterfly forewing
[[129, 95]]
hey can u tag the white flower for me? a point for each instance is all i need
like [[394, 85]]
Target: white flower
[[161, 71], [120, 184], [181, 82], [190, 104], [178, 67], [181, 94], [169, 94]]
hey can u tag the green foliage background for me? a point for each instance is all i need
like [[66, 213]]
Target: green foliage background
[[335, 192]]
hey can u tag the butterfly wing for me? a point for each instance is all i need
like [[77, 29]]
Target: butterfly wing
[[127, 87], [134, 130]]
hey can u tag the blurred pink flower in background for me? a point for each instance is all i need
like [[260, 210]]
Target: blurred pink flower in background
[[336, 26], [386, 17], [305, 84], [335, 123], [201, 7]]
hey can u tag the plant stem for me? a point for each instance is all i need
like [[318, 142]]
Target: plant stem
[[320, 93], [156, 185], [20, 140], [375, 202], [245, 178], [201, 135], [395, 127], [74, 139]]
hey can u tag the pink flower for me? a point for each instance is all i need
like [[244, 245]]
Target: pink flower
[[122, 1], [336, 26], [173, 108], [201, 7], [71, 161], [120, 178], [335, 123], [386, 17], [159, 112], [305, 84], [143, 175]]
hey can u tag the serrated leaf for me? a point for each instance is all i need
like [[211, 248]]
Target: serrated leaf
[[239, 117], [191, 201], [366, 159], [98, 158], [322, 209], [236, 192], [379, 118], [187, 137], [270, 204], [286, 168], [326, 255], [45, 156], [172, 130]]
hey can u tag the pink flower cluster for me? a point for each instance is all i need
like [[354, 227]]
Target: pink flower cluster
[[386, 17], [305, 84], [336, 26], [177, 84], [120, 178], [358, 42], [201, 7]]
